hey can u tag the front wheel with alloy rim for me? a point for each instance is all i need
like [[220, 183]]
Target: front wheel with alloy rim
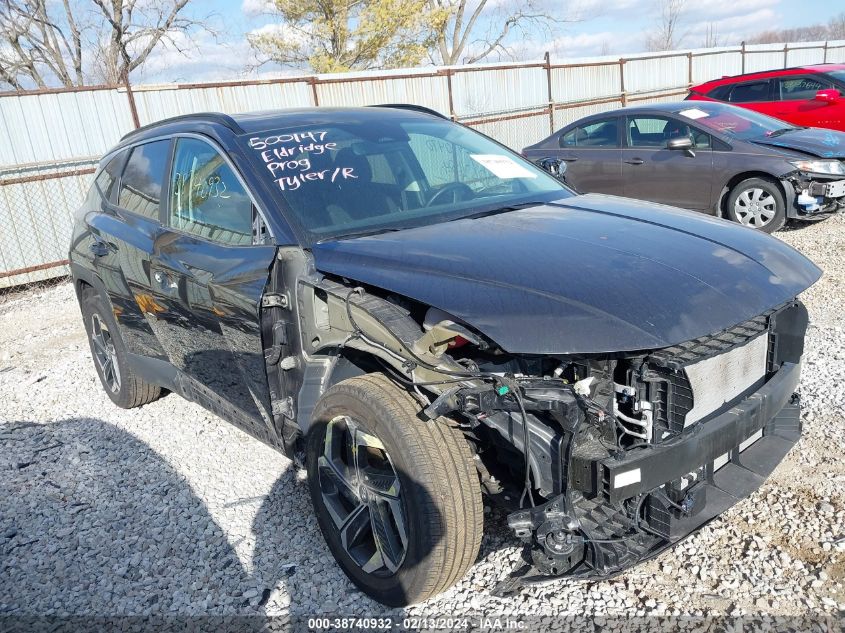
[[757, 203], [397, 498]]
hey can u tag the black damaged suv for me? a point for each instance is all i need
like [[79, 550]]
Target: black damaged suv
[[419, 316]]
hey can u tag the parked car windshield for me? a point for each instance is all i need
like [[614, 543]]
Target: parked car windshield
[[838, 75], [735, 122], [359, 177]]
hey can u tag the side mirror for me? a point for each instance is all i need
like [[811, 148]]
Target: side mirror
[[682, 142], [831, 95], [555, 166]]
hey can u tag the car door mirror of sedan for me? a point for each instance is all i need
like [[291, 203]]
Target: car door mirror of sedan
[[682, 142], [555, 166], [830, 95]]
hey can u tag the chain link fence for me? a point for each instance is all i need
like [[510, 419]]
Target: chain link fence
[[36, 218]]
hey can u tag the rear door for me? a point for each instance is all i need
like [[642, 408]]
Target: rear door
[[796, 102], [757, 95], [591, 153], [209, 273], [652, 172], [123, 238]]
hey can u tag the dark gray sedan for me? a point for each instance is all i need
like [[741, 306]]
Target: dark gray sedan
[[710, 157]]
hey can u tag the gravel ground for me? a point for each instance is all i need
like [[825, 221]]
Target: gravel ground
[[169, 510]]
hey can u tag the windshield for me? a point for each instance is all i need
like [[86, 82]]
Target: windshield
[[359, 177], [837, 75], [735, 122]]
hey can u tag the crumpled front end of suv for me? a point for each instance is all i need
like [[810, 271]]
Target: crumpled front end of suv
[[624, 375], [627, 452], [650, 447]]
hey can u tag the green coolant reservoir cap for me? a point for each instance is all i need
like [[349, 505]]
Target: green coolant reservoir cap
[[502, 390]]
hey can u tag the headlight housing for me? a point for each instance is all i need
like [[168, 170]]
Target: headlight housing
[[832, 167]]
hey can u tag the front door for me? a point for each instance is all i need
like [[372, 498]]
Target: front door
[[651, 171], [209, 276], [797, 103]]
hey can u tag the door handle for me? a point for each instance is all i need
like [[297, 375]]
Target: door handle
[[571, 159], [635, 161]]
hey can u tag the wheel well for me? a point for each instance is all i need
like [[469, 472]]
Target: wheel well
[[83, 288], [738, 178]]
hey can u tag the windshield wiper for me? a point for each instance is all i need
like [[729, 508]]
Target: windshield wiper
[[784, 130], [362, 233], [505, 209]]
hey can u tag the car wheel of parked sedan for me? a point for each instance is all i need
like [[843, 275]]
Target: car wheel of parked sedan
[[121, 384], [758, 203], [397, 498]]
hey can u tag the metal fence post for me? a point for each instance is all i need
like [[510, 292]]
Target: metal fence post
[[623, 97], [689, 68], [785, 55], [449, 90], [314, 94], [824, 55], [131, 97], [742, 52], [549, 87]]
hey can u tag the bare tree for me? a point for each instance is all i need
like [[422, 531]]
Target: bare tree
[[48, 42], [711, 36], [136, 28], [35, 44], [833, 30], [458, 34], [666, 36]]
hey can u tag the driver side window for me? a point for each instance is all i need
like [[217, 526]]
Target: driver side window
[[206, 197], [798, 88]]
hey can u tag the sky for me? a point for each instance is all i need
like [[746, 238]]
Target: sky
[[597, 27]]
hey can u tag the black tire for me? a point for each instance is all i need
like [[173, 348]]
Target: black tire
[[768, 193], [130, 390], [439, 489]]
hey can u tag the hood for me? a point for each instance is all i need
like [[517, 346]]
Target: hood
[[587, 274], [814, 141]]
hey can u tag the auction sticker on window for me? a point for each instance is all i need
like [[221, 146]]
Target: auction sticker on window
[[694, 113], [502, 166]]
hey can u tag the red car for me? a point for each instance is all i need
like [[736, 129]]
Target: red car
[[812, 96]]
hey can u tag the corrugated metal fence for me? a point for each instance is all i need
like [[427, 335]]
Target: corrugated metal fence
[[50, 140]]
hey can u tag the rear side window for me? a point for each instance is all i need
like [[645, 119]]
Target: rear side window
[[799, 88], [141, 183], [721, 93], [101, 190], [206, 197], [598, 134], [749, 93]]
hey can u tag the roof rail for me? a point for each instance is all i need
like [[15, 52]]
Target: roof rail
[[410, 106], [211, 117]]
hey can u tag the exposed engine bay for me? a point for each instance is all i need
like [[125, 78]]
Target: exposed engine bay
[[602, 460]]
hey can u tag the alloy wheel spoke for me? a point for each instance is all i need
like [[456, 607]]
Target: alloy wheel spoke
[[361, 492], [355, 527], [389, 530], [100, 345]]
